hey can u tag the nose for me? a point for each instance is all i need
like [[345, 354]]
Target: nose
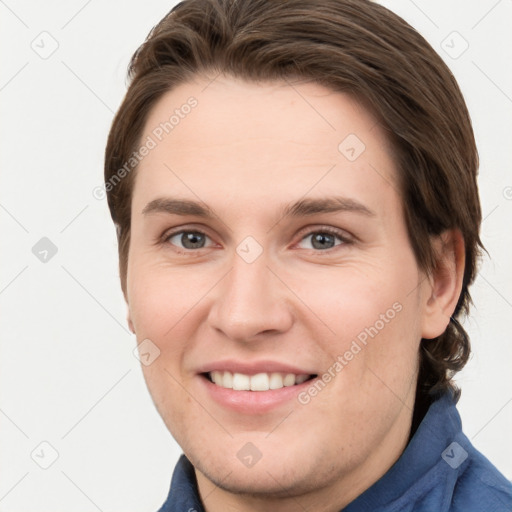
[[251, 303]]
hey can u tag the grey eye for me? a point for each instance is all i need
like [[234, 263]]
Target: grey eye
[[189, 239], [320, 240]]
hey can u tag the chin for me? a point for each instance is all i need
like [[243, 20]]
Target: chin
[[286, 468], [270, 478]]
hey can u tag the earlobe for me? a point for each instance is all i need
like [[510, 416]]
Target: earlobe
[[445, 283], [130, 323]]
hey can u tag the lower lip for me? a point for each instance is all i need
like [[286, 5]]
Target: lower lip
[[253, 402]]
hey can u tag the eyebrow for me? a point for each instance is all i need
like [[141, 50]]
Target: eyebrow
[[177, 207], [331, 204], [300, 208]]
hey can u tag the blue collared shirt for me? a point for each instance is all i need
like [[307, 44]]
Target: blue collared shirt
[[439, 471]]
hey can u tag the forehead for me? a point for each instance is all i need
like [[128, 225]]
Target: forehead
[[262, 139]]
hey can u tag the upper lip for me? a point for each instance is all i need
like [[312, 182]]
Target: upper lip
[[253, 367]]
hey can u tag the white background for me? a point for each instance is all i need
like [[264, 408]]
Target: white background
[[68, 375]]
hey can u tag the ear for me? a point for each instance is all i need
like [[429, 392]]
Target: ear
[[445, 283], [130, 323]]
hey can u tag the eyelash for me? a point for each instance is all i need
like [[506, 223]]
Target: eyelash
[[341, 235]]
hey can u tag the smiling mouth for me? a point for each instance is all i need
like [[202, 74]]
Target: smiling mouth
[[257, 382]]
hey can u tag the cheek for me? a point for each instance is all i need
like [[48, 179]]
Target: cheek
[[163, 300], [354, 296], [372, 313]]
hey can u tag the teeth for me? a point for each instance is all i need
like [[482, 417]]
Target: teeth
[[299, 379], [289, 379], [227, 380], [241, 382], [258, 382], [276, 381], [217, 377]]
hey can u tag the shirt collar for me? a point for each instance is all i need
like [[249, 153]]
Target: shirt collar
[[438, 429]]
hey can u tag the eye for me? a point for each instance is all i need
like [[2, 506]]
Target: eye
[[322, 240], [188, 240]]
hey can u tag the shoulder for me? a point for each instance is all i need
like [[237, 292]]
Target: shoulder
[[480, 486]]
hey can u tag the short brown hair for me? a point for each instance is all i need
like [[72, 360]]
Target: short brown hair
[[351, 46]]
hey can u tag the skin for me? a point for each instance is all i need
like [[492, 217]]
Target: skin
[[247, 150]]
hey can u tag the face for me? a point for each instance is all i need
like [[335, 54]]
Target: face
[[270, 265]]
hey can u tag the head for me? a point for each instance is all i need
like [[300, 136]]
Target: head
[[320, 160]]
